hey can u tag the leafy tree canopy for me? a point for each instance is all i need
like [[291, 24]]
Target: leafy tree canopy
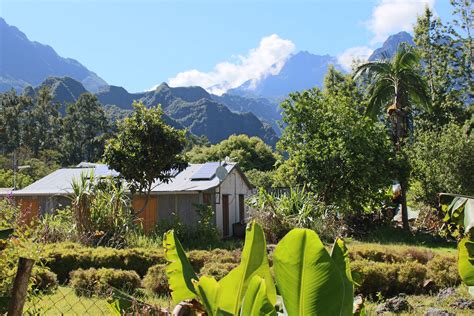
[[145, 149], [343, 156], [248, 152]]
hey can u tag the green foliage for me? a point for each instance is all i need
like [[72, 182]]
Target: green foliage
[[145, 149], [85, 128], [443, 70], [389, 279], [62, 258], [442, 270], [310, 281], [249, 152], [334, 149], [217, 270], [6, 179], [99, 282], [260, 179], [179, 271], [58, 226], [156, 281], [303, 268], [204, 232], [442, 161], [279, 213]]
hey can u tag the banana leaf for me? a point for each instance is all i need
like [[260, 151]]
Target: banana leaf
[[256, 301], [340, 256], [179, 271], [307, 277], [466, 260]]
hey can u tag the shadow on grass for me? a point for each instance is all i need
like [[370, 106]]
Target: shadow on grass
[[395, 235]]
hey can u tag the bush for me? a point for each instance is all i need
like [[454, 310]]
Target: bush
[[99, 282], [198, 258], [67, 257], [389, 254], [43, 280], [217, 270], [388, 279], [443, 271], [156, 281]]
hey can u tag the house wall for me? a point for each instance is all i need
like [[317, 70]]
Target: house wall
[[182, 203], [30, 208], [233, 185], [149, 216]]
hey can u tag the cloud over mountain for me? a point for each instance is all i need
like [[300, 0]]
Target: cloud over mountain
[[391, 16], [267, 59], [359, 53]]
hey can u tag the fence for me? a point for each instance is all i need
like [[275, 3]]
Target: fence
[[65, 300]]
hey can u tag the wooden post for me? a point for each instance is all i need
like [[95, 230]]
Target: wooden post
[[20, 286]]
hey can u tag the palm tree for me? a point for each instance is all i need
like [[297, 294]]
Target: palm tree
[[396, 86]]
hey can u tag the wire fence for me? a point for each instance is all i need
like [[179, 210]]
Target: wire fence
[[66, 300]]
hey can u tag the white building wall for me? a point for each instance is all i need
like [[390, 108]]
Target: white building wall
[[233, 185]]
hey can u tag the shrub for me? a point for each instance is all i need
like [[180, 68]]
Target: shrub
[[388, 279], [198, 258], [156, 281], [43, 280], [93, 281], [443, 271], [64, 258], [217, 270]]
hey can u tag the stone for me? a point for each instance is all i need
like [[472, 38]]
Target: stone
[[396, 304], [445, 293], [438, 312], [463, 303]]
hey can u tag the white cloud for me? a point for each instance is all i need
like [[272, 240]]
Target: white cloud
[[359, 53], [391, 16], [267, 59]]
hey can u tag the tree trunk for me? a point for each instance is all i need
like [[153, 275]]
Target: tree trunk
[[403, 202]]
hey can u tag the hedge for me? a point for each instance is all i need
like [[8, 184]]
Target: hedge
[[63, 258], [99, 281], [156, 281]]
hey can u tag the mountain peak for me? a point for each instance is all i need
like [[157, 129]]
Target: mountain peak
[[390, 45], [25, 62]]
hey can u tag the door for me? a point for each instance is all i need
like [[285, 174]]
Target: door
[[241, 208], [225, 215]]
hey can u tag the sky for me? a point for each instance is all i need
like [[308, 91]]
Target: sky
[[217, 44]]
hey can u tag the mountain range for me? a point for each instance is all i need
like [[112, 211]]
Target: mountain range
[[252, 108], [24, 62]]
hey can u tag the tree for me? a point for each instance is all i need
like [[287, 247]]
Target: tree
[[439, 53], [341, 155], [84, 129], [145, 149], [13, 123], [442, 161], [44, 123], [249, 152], [397, 86]]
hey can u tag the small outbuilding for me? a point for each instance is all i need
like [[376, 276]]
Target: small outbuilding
[[196, 185]]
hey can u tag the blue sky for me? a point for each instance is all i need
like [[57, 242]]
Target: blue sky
[[138, 44]]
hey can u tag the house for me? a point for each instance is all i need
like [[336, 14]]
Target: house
[[197, 184]]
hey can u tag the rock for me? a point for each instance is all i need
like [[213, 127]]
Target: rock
[[438, 312], [463, 303], [396, 304], [445, 293]]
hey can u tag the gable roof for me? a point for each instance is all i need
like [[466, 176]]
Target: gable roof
[[59, 181]]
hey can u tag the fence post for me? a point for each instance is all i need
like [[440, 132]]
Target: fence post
[[20, 286]]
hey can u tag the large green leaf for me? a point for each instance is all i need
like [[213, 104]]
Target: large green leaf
[[179, 271], [460, 211], [253, 262], [340, 256], [208, 292], [466, 260], [256, 302], [307, 277]]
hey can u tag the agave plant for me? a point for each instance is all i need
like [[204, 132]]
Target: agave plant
[[310, 280]]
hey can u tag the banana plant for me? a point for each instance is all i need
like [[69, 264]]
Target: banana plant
[[460, 212], [310, 280]]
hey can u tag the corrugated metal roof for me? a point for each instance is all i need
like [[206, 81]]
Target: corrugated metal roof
[[59, 182]]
